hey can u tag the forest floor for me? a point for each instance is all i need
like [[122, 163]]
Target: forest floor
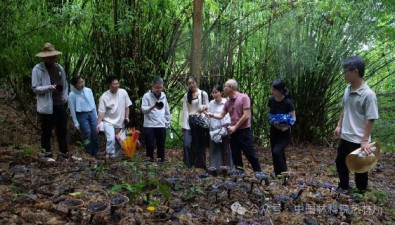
[[122, 191]]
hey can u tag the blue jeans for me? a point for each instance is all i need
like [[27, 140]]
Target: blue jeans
[[88, 122]]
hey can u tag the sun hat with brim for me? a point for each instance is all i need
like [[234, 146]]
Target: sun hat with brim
[[47, 51], [358, 162]]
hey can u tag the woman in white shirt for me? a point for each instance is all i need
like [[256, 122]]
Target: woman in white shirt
[[220, 154], [195, 101]]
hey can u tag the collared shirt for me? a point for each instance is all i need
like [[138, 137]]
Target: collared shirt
[[358, 107], [235, 106], [215, 107]]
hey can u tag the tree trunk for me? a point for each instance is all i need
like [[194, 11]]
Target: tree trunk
[[197, 39]]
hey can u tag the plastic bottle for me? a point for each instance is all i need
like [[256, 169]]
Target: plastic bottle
[[363, 154], [171, 134]]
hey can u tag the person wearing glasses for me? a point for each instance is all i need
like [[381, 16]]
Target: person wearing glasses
[[239, 108], [359, 111], [113, 115]]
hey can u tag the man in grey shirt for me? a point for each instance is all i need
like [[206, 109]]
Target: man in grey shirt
[[356, 121]]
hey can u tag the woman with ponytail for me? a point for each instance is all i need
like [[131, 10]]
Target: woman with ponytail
[[194, 103], [280, 133]]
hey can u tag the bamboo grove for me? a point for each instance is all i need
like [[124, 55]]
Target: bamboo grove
[[252, 41]]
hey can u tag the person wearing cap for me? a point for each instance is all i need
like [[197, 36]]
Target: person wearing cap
[[114, 113], [50, 86], [83, 112], [241, 140], [156, 112], [359, 111]]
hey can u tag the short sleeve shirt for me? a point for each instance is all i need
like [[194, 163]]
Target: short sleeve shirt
[[113, 106], [283, 107], [235, 106], [358, 107]]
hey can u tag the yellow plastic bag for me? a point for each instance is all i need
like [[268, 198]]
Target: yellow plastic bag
[[129, 140]]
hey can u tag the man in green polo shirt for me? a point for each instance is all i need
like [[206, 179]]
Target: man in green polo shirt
[[354, 127]]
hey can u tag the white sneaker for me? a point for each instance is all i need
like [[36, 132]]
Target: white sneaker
[[76, 158], [50, 159]]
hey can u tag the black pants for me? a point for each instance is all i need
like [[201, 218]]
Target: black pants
[[59, 119], [241, 140], [279, 140], [155, 136], [195, 142], [361, 179]]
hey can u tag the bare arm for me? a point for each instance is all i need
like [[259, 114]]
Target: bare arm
[[217, 115], [337, 131], [365, 146], [293, 114], [127, 110], [100, 117]]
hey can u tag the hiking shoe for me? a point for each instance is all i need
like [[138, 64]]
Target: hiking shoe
[[48, 154], [110, 156], [49, 159], [342, 191]]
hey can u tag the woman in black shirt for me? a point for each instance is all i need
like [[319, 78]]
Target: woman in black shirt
[[280, 134]]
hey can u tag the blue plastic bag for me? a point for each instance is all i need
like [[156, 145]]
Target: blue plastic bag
[[282, 119]]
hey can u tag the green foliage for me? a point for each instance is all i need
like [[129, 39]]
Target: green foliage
[[252, 41], [379, 197], [193, 192], [27, 151]]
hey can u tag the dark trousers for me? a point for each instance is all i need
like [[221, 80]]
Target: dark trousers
[[195, 142], [279, 140], [241, 140], [155, 136], [361, 179], [59, 119]]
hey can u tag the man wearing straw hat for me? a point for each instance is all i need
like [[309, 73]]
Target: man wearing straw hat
[[354, 127], [51, 88]]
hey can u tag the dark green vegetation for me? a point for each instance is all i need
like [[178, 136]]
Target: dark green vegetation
[[251, 41]]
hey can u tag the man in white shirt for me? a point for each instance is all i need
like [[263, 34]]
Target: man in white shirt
[[114, 113]]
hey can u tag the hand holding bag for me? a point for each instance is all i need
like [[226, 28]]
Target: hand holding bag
[[202, 120]]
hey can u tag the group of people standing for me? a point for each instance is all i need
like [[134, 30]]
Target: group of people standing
[[230, 132], [228, 136]]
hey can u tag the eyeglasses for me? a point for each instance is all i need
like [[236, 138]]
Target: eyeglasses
[[344, 72]]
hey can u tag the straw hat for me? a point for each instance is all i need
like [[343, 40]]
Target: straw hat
[[360, 164], [47, 51]]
